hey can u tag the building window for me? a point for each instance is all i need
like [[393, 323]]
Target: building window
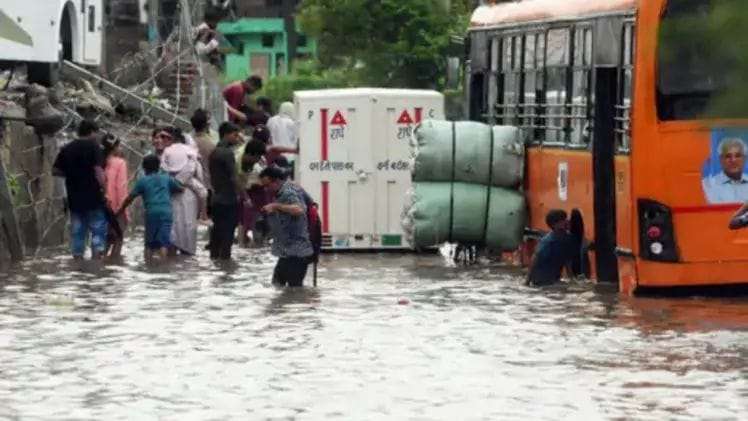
[[91, 19], [302, 41], [268, 40]]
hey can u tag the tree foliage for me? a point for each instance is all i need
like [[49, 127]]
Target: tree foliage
[[306, 75], [703, 58], [390, 43]]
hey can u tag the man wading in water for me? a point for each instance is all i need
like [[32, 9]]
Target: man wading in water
[[555, 251], [81, 163], [287, 216]]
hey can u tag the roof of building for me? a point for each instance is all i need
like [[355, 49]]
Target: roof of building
[[251, 26], [534, 10]]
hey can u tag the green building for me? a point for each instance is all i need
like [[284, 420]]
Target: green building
[[260, 47]]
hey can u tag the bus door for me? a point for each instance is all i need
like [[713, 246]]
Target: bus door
[[92, 13], [607, 39]]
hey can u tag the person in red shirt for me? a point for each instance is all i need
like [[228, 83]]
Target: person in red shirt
[[234, 95]]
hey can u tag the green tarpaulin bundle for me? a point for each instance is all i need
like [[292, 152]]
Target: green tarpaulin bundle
[[469, 152], [464, 213]]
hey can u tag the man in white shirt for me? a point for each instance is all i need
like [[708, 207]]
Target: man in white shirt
[[284, 131], [731, 184]]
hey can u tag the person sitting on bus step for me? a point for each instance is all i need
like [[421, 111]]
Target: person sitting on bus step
[[555, 251], [731, 184]]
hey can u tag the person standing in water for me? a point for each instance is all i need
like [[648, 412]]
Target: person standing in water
[[284, 133], [116, 192], [156, 188], [287, 216], [81, 163], [226, 191]]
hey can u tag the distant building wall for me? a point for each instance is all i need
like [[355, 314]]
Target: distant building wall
[[260, 47], [261, 8]]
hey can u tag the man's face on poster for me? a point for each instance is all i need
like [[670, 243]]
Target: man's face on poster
[[732, 160]]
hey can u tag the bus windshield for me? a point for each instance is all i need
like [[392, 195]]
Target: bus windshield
[[702, 60]]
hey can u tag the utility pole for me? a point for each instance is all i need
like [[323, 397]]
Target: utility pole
[[288, 10]]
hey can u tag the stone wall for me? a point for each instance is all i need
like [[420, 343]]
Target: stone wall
[[38, 197]]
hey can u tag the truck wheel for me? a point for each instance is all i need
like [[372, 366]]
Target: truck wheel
[[46, 74]]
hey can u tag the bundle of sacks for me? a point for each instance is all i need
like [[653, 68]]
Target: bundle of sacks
[[466, 181]]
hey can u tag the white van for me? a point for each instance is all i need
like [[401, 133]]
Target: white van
[[354, 160], [43, 32]]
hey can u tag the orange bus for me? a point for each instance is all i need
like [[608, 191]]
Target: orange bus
[[613, 98]]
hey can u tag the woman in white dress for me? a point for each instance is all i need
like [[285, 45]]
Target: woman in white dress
[[181, 162]]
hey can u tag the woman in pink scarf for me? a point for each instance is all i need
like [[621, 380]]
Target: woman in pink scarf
[[116, 190]]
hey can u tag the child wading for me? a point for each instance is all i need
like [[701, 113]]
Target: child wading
[[156, 189], [555, 251]]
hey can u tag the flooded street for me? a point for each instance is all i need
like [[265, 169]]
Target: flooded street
[[192, 341]]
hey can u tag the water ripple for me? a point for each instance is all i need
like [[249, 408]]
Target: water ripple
[[192, 340]]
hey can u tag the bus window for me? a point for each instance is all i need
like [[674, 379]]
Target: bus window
[[581, 87], [540, 87], [625, 88], [477, 104], [556, 70], [530, 87], [700, 70], [511, 77], [494, 81]]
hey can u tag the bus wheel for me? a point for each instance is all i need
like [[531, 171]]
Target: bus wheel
[[47, 74]]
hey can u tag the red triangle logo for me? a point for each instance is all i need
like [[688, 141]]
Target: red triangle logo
[[338, 120], [405, 118]]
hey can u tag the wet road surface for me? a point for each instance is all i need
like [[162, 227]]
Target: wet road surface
[[189, 340]]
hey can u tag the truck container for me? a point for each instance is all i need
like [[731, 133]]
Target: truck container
[[354, 159]]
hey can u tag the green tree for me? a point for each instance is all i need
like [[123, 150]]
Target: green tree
[[390, 43], [703, 59], [306, 75]]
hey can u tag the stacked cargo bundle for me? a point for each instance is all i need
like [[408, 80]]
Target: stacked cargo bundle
[[466, 182]]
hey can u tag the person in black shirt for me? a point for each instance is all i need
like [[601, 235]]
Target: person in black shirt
[[81, 163], [225, 199]]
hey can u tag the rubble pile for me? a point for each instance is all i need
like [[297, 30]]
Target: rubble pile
[[35, 122]]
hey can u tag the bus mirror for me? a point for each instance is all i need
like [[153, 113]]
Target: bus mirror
[[453, 73], [608, 35]]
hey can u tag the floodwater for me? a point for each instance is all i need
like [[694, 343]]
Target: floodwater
[[192, 341]]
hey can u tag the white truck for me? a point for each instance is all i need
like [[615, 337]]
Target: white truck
[[354, 160], [41, 33]]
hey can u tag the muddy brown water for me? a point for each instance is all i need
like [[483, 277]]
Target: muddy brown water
[[190, 340]]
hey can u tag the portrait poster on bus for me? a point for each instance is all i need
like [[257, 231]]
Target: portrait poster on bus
[[724, 177]]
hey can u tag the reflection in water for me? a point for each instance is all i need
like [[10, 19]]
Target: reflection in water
[[188, 339]]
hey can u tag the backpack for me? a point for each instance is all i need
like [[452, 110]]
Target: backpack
[[314, 225], [315, 230]]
